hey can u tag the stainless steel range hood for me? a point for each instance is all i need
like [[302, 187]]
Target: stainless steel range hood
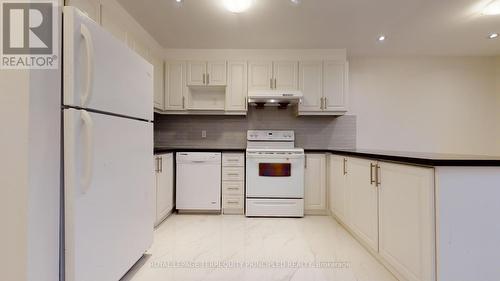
[[274, 97]]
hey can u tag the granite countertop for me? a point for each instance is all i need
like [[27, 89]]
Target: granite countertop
[[415, 158]]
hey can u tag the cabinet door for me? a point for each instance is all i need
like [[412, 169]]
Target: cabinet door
[[236, 90], [335, 85], [260, 75], [337, 184], [159, 92], [315, 183], [363, 202], [216, 73], [196, 73], [406, 220], [286, 75], [164, 187], [311, 85], [175, 85]]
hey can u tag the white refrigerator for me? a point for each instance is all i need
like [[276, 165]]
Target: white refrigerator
[[107, 152]]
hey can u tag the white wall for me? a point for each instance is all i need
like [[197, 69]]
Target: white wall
[[429, 104]]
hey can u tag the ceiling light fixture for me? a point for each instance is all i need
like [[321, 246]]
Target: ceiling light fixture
[[492, 9], [295, 2], [493, 36], [178, 1], [381, 38], [237, 6]]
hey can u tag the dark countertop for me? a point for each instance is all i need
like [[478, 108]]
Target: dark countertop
[[414, 158]]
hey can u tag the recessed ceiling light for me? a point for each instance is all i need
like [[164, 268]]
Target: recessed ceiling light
[[493, 8], [381, 38], [493, 35], [237, 6], [295, 2], [178, 1]]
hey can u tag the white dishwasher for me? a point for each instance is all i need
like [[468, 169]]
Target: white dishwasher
[[198, 181]]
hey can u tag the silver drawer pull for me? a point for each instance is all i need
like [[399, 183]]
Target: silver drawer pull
[[233, 160], [233, 188], [233, 202], [233, 174]]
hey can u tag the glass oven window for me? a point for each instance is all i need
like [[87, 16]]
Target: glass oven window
[[275, 169]]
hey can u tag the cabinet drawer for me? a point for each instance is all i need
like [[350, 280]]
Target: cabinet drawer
[[233, 159], [232, 187], [233, 174], [232, 202]]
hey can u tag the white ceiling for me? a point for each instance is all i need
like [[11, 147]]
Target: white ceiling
[[413, 27]]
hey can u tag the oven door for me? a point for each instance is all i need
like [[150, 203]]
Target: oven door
[[274, 175]]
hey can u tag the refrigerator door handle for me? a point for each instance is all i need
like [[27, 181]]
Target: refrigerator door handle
[[89, 151], [90, 64]]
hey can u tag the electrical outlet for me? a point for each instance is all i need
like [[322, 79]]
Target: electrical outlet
[[203, 134]]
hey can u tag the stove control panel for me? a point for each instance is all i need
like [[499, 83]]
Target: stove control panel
[[270, 135]]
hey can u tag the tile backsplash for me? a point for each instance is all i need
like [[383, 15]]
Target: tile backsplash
[[226, 131]]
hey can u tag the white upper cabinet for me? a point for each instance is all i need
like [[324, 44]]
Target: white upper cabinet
[[363, 201], [268, 75], [260, 75], [175, 85], [202, 73], [311, 85], [216, 73], [315, 184], [285, 75], [406, 220], [196, 73], [324, 86], [159, 96], [335, 85], [236, 90]]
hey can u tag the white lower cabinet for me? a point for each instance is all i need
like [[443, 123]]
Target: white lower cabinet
[[406, 220], [363, 201], [164, 164], [390, 209], [337, 182], [315, 184]]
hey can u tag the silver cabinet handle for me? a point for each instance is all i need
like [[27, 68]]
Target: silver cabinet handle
[[305, 160], [321, 101], [232, 202], [326, 103], [377, 175], [204, 79], [208, 78], [161, 164], [233, 174], [372, 181], [271, 83], [183, 103], [275, 83], [233, 188], [157, 165], [345, 170]]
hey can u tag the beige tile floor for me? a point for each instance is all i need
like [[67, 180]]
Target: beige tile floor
[[215, 247]]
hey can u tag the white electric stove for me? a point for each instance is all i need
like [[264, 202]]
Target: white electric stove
[[274, 175]]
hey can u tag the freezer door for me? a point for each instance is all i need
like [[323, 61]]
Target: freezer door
[[101, 72], [108, 194]]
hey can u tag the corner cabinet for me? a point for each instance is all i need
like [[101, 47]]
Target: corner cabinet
[[315, 202], [164, 186], [390, 209], [324, 85]]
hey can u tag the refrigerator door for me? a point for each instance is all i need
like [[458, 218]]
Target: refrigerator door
[[101, 73], [108, 192]]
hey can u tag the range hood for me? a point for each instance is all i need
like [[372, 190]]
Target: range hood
[[280, 98]]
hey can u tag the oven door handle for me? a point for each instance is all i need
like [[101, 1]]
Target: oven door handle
[[275, 157]]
